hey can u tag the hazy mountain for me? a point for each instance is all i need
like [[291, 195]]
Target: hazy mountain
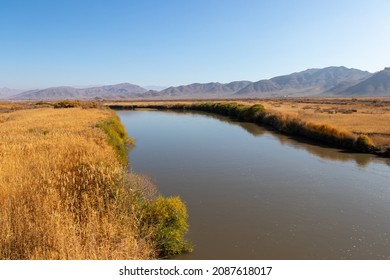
[[196, 88], [155, 88], [118, 91], [377, 85], [49, 93], [340, 88], [121, 90], [207, 90], [237, 85], [326, 81], [262, 86], [330, 81], [308, 82], [5, 92]]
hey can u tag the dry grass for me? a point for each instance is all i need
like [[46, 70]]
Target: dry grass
[[63, 192], [358, 116]]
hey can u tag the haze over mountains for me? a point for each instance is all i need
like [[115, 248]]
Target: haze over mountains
[[309, 82], [119, 91], [6, 92], [330, 81], [199, 90]]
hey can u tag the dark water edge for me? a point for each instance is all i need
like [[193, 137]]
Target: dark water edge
[[254, 194]]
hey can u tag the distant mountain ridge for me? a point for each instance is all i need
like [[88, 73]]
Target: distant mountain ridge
[[376, 85], [198, 89], [325, 81], [119, 91], [308, 82], [329, 81]]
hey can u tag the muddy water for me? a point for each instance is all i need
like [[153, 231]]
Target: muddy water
[[254, 194]]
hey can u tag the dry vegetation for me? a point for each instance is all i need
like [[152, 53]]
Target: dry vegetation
[[357, 116], [64, 193], [360, 116]]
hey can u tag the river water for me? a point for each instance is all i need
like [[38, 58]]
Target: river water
[[254, 194]]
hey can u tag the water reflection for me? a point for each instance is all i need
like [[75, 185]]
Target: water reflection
[[320, 150]]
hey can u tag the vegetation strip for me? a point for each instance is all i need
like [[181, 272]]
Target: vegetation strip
[[281, 122], [66, 193]]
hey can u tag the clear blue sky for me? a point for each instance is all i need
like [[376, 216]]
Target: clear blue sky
[[172, 42]]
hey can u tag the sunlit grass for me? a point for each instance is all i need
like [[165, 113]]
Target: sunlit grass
[[65, 195]]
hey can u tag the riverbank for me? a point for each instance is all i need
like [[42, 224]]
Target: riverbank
[[283, 122], [66, 192]]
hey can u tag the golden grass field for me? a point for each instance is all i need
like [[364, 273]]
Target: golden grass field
[[59, 187], [368, 116]]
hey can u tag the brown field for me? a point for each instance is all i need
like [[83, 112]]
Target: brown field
[[368, 116], [59, 178]]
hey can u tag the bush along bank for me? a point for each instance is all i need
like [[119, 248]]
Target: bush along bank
[[161, 220], [283, 123], [116, 136]]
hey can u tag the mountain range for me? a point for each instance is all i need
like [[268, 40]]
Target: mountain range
[[308, 82], [329, 81], [377, 84], [119, 91]]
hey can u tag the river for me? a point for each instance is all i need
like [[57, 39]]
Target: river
[[254, 194]]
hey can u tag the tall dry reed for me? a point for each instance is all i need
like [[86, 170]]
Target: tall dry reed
[[63, 192]]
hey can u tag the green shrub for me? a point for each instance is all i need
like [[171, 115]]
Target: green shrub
[[116, 137], [168, 218], [364, 144], [254, 113]]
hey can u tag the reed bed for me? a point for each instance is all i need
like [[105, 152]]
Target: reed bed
[[65, 193]]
